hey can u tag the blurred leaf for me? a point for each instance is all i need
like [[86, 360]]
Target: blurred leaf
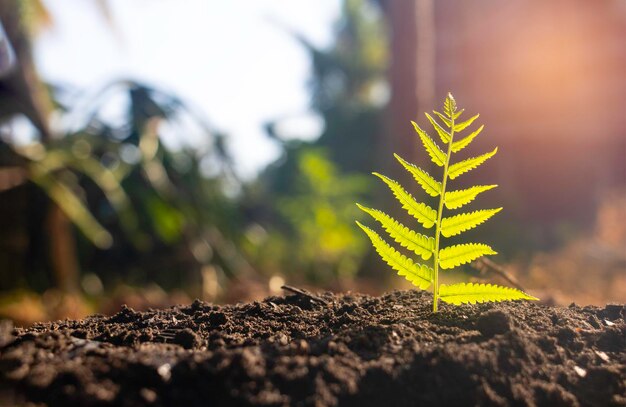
[[167, 220], [71, 205], [105, 179]]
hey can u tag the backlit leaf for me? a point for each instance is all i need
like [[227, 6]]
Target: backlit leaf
[[418, 274], [469, 293], [454, 256], [463, 125], [422, 212], [449, 105], [456, 199], [436, 155], [464, 142], [428, 183], [466, 165], [443, 118], [417, 243], [465, 221], [443, 134], [458, 114]]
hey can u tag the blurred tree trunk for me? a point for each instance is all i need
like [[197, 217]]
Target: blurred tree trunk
[[411, 77], [62, 246], [425, 56], [21, 92]]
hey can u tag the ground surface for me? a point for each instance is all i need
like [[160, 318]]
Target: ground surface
[[348, 350]]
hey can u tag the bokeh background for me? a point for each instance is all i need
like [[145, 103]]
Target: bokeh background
[[156, 151]]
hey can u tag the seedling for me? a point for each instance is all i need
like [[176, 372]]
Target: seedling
[[420, 274]]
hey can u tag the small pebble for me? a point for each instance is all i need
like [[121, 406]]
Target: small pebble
[[148, 395], [580, 371], [303, 345], [283, 340], [602, 355], [165, 371]]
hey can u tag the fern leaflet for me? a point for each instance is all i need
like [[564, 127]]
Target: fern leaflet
[[428, 183], [422, 212], [462, 126], [417, 243], [418, 274], [445, 119], [456, 199], [470, 293], [461, 144], [443, 134], [456, 224], [454, 256], [449, 107], [466, 165], [436, 155]]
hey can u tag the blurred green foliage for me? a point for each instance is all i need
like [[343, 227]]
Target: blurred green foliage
[[141, 206], [304, 203], [150, 211], [314, 243], [175, 204]]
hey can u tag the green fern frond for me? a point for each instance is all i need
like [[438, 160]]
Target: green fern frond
[[462, 126], [443, 134], [428, 183], [420, 211], [461, 144], [436, 155], [472, 293], [466, 165], [456, 199], [456, 224], [426, 247], [454, 256], [417, 243], [418, 274]]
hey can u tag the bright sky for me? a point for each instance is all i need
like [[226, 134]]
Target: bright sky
[[228, 58]]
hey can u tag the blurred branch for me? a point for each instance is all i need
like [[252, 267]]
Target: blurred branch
[[305, 294], [484, 266]]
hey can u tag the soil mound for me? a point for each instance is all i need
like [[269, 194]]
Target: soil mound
[[346, 350]]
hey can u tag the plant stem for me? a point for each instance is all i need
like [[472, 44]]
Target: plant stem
[[439, 214]]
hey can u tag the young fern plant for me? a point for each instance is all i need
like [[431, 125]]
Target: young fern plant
[[421, 274]]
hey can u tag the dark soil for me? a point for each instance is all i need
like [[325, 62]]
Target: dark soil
[[352, 350]]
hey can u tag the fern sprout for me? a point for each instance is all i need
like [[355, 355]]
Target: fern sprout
[[423, 274]]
